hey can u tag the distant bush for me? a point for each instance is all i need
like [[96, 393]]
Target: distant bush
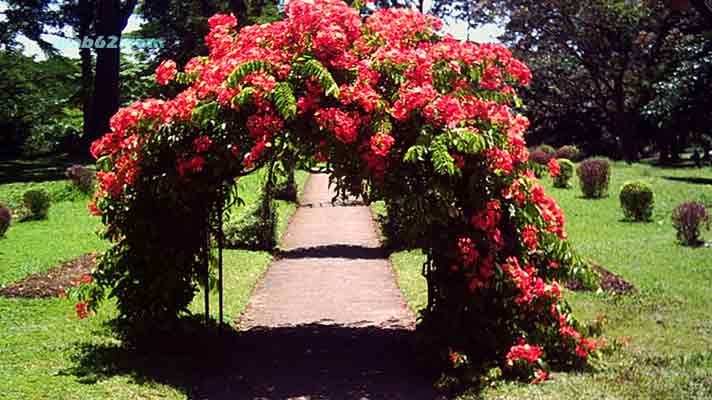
[[594, 176], [256, 230], [37, 201], [566, 172], [5, 220], [689, 219], [637, 200], [82, 178], [547, 149], [568, 152], [540, 157]]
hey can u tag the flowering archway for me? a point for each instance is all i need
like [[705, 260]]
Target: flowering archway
[[425, 120]]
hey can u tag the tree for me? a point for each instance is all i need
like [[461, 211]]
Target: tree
[[111, 19], [597, 61]]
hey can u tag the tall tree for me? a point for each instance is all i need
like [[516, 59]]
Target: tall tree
[[111, 19], [597, 59]]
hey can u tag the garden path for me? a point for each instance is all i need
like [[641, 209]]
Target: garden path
[[327, 321]]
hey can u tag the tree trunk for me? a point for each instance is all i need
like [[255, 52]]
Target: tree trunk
[[239, 9], [111, 20]]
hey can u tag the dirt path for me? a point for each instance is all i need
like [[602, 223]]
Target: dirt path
[[327, 321]]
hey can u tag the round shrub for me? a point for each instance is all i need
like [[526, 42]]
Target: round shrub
[[5, 219], [547, 149], [637, 200], [568, 152], [566, 172], [82, 178], [689, 219], [594, 176], [540, 157], [38, 202]]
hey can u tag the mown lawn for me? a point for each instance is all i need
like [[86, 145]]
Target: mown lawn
[[43, 341], [668, 323]]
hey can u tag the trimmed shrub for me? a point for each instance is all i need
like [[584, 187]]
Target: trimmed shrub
[[5, 220], [540, 157], [82, 178], [637, 200], [37, 202], [566, 172], [594, 176], [256, 230], [689, 219], [547, 149], [568, 152]]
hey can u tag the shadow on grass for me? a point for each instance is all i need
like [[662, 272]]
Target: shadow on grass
[[690, 179], [40, 169], [308, 361]]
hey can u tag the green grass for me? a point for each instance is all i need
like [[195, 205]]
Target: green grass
[[668, 321], [35, 246], [43, 341]]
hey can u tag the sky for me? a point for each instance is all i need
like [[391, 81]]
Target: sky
[[70, 48]]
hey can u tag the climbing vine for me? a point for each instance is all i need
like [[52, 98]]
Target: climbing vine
[[427, 121]]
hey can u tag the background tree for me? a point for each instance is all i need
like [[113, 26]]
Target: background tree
[[595, 63]]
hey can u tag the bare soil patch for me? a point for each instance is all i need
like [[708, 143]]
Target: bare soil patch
[[53, 282]]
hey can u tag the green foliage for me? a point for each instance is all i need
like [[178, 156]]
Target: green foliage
[[254, 231], [243, 70], [594, 176], [38, 106], [637, 200], [283, 97], [37, 201], [566, 172], [5, 220], [315, 69], [548, 149]]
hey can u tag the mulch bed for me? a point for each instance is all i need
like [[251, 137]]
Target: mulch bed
[[53, 282], [609, 282]]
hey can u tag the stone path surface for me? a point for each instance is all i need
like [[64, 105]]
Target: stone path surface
[[331, 270], [327, 321]]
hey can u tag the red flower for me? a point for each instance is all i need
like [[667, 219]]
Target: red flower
[[109, 183], [381, 143], [202, 144], [525, 352], [539, 376], [193, 165], [530, 237], [554, 169], [166, 72], [81, 309], [86, 279]]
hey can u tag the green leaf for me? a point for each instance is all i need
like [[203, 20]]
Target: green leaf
[[243, 70], [415, 153], [205, 113], [244, 96], [313, 68], [442, 160], [283, 98], [104, 163]]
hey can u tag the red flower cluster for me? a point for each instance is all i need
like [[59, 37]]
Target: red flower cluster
[[82, 310], [344, 125], [554, 169], [524, 352], [166, 72]]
